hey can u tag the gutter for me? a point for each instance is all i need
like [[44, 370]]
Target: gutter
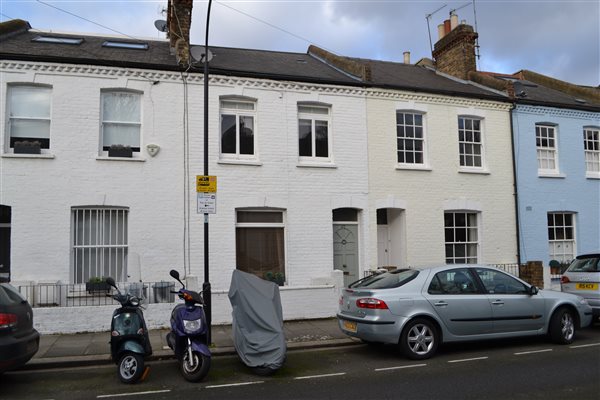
[[515, 186]]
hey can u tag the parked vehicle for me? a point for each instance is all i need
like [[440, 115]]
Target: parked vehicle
[[419, 309], [583, 278], [257, 325], [129, 341], [188, 337], [19, 341]]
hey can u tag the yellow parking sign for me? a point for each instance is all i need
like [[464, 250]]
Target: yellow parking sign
[[206, 183]]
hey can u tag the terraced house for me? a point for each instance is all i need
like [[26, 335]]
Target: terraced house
[[327, 167], [556, 129]]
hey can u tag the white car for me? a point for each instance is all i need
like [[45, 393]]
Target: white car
[[583, 278], [420, 308]]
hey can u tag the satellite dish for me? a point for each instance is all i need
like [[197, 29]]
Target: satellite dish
[[161, 25], [198, 53]]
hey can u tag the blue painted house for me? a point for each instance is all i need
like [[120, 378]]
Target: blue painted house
[[556, 136]]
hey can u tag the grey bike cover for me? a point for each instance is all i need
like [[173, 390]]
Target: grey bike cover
[[257, 321]]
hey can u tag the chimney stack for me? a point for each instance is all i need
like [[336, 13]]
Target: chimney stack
[[454, 52], [179, 21], [406, 57]]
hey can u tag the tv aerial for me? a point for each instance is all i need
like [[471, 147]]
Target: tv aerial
[[428, 17]]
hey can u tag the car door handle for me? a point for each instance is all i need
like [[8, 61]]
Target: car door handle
[[498, 303], [441, 304]]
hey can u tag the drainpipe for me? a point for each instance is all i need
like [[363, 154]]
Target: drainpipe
[[515, 190]]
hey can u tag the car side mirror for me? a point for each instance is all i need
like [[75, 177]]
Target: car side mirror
[[533, 290]]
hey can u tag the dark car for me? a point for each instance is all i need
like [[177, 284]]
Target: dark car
[[19, 341]]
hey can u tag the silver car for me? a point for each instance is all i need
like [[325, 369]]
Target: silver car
[[583, 278], [420, 308]]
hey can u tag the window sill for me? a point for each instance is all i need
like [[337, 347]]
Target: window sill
[[409, 167], [255, 163], [132, 159], [551, 175], [305, 164], [43, 155], [479, 171], [592, 175]]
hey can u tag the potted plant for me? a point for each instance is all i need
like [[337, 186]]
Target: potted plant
[[555, 267], [28, 147], [97, 284], [119, 150], [276, 277]]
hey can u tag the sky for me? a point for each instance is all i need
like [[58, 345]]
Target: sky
[[558, 38]]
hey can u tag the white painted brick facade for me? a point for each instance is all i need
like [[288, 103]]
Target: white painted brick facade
[[42, 189], [424, 195]]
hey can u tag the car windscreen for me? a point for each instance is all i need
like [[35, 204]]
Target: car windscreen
[[587, 264], [387, 280], [11, 295]]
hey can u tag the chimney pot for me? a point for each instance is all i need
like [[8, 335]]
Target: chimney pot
[[453, 21], [406, 57], [441, 31], [447, 27]]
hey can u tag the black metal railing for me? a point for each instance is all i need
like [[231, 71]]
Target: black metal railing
[[78, 295]]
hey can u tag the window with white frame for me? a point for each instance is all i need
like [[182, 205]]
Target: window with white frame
[[547, 154], [314, 140], [260, 246], [238, 128], [410, 138], [591, 146], [461, 237], [99, 243], [561, 236], [470, 142], [121, 119], [28, 109]]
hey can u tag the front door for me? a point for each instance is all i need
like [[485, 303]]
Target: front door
[[345, 251], [4, 243]]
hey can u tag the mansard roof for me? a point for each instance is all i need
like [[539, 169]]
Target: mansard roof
[[531, 88], [19, 43]]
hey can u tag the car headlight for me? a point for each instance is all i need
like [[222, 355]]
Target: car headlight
[[192, 326], [583, 301]]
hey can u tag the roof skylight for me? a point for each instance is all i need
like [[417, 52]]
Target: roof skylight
[[58, 39], [125, 45]]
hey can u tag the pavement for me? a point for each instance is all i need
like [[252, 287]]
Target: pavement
[[81, 349]]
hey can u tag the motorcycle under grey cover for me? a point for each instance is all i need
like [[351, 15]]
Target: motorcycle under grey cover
[[257, 321]]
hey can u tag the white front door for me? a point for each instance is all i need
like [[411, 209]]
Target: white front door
[[345, 251]]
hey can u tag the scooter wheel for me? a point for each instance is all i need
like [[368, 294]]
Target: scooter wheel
[[196, 368], [130, 367]]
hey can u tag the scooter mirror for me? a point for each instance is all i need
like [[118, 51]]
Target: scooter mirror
[[111, 281], [174, 274]]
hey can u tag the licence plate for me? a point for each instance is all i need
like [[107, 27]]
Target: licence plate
[[350, 326], [586, 286]]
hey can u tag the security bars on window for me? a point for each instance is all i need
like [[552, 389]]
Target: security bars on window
[[99, 243]]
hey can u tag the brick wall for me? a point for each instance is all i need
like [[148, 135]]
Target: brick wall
[[532, 273], [454, 54]]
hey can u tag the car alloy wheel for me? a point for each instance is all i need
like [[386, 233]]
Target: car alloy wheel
[[419, 339]]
